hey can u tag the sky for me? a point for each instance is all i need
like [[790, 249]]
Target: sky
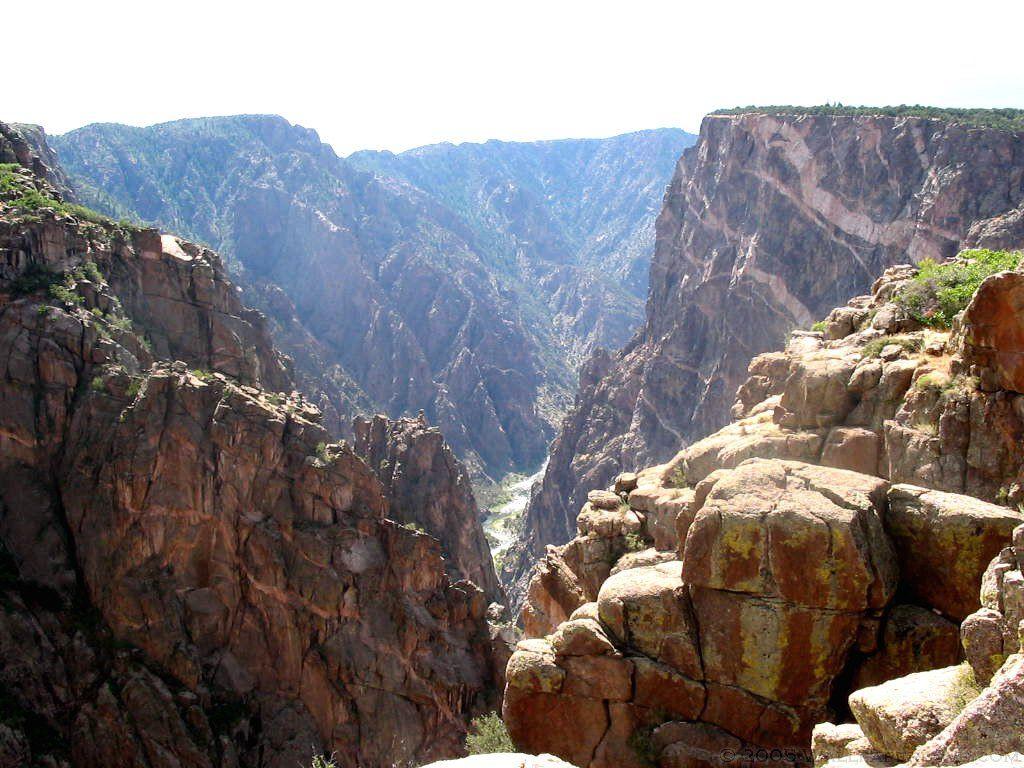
[[394, 75]]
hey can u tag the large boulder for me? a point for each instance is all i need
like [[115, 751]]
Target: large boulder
[[944, 543], [900, 715], [991, 724], [991, 339], [648, 609], [806, 535]]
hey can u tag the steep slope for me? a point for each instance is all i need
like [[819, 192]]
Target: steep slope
[[190, 573], [770, 220], [428, 488], [463, 281], [727, 601]]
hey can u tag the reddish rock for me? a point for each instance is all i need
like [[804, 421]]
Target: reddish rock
[[991, 339]]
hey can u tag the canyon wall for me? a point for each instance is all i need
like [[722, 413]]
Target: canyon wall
[[817, 559], [465, 281], [769, 222], [191, 573]]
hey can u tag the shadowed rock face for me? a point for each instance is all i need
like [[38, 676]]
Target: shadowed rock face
[[428, 487], [189, 574], [464, 281], [769, 222]]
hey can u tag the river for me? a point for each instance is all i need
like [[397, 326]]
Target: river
[[504, 522]]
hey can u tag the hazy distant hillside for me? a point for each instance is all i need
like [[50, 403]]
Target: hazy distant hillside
[[467, 281]]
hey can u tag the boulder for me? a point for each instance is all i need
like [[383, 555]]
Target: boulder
[[900, 715], [807, 535], [841, 742], [852, 448], [944, 543], [648, 610], [991, 337], [554, 592], [991, 724], [662, 509]]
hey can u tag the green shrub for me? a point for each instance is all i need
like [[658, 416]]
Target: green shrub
[[323, 761], [939, 291], [33, 279], [96, 385], [134, 387], [488, 735], [635, 542], [820, 326], [65, 294]]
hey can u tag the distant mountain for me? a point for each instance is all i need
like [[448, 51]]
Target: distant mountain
[[465, 281]]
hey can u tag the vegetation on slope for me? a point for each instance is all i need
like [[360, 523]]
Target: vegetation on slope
[[939, 291], [19, 192], [999, 119]]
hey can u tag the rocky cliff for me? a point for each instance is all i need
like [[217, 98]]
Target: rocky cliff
[[191, 574], [769, 222], [428, 489], [464, 281], [834, 538]]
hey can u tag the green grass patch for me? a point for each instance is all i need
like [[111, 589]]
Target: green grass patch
[[938, 292]]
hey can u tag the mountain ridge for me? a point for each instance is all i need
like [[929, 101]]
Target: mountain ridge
[[430, 262]]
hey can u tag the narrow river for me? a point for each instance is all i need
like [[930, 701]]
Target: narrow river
[[503, 524]]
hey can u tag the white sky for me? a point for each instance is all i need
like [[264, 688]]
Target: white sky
[[394, 75]]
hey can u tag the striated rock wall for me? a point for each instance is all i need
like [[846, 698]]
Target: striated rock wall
[[190, 574], [770, 221]]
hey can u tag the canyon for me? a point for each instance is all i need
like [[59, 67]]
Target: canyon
[[769, 222], [782, 523], [193, 572], [466, 281]]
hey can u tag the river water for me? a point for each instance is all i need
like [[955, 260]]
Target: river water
[[503, 524]]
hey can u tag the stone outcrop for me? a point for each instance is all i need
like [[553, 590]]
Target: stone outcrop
[[992, 332], [467, 281], [966, 714], [821, 543], [428, 488], [769, 222], [191, 574]]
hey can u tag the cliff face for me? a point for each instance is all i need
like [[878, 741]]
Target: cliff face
[[464, 281], [189, 573], [428, 488], [819, 558], [768, 223]]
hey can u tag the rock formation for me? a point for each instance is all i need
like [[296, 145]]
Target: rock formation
[[834, 536], [190, 573], [958, 715], [465, 281], [428, 488], [770, 221]]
